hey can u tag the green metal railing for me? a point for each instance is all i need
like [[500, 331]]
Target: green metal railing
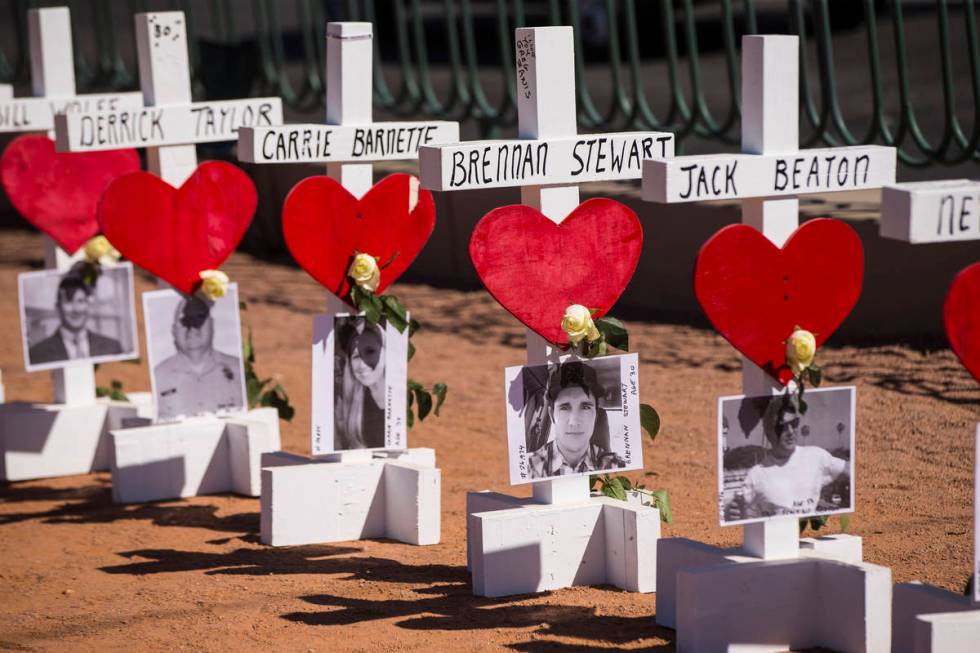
[[476, 54]]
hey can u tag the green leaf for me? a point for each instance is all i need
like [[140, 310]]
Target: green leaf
[[248, 350], [411, 350], [395, 312], [439, 390], [649, 420], [594, 481], [613, 487], [116, 384], [424, 402], [102, 391], [410, 418], [614, 332], [815, 375], [413, 326], [845, 522], [415, 385], [242, 306], [371, 308], [662, 501]]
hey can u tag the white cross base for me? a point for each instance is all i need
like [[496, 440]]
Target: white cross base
[[520, 546], [348, 495], [69, 436], [199, 455], [928, 619], [47, 440], [357, 495]]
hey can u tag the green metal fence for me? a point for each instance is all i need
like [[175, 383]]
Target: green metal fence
[[468, 74]]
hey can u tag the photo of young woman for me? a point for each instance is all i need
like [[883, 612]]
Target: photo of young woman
[[359, 384]]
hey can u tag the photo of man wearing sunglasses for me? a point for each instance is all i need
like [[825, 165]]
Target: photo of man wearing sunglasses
[[789, 477], [197, 377]]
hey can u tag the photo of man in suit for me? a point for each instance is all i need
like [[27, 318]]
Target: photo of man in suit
[[74, 338]]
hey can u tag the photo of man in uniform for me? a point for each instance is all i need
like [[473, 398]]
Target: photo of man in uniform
[[197, 378]]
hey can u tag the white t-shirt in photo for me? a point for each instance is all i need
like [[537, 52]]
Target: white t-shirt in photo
[[793, 488]]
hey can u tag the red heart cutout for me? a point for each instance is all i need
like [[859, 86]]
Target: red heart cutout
[[175, 233], [961, 315], [536, 268], [324, 224], [755, 293], [58, 192]]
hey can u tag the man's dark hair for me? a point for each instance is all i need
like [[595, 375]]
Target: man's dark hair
[[574, 374], [70, 284]]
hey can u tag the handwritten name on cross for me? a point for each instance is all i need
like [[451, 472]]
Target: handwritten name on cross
[[169, 118]]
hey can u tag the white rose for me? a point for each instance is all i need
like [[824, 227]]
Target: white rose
[[364, 272], [214, 284], [577, 323], [800, 350]]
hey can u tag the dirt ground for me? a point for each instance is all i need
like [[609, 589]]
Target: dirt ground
[[78, 572]]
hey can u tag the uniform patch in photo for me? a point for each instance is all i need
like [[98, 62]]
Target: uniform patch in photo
[[195, 354], [775, 461], [65, 320], [573, 418]]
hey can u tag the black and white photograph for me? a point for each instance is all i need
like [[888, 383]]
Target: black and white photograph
[[66, 318], [775, 459], [573, 417], [195, 354], [360, 378]]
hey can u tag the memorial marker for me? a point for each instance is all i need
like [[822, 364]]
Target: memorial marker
[[931, 211], [548, 161], [215, 454], [405, 481], [170, 123], [68, 444], [767, 177]]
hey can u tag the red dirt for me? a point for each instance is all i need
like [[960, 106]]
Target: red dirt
[[79, 572]]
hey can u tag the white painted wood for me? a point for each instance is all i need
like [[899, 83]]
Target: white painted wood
[[697, 178], [782, 605], [557, 160], [931, 211], [927, 619], [382, 141], [348, 495], [38, 113], [170, 123], [47, 440], [52, 60], [154, 126], [201, 455], [839, 546], [53, 76], [6, 92], [395, 497]]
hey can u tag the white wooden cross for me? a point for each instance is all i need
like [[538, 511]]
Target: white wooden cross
[[548, 161], [931, 211], [349, 141], [53, 82], [170, 123], [347, 495], [767, 177], [513, 545]]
